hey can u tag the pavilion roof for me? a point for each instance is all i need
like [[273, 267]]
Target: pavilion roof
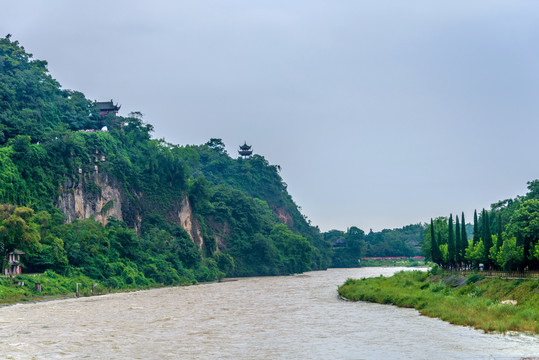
[[245, 147], [107, 105]]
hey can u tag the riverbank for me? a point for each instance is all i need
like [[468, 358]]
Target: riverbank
[[490, 304], [52, 286]]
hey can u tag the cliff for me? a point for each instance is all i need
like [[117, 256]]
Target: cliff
[[99, 196], [96, 196]]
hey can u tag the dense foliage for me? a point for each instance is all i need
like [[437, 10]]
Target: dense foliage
[[53, 141], [352, 245], [504, 237]]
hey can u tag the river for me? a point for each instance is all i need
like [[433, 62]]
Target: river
[[290, 317]]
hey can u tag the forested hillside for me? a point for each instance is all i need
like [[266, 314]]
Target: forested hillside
[[83, 193]]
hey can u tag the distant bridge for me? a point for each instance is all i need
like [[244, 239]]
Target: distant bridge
[[417, 258]]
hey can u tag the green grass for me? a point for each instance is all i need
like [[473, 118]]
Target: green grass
[[54, 286], [474, 301]]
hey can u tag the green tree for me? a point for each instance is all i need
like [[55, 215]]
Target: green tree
[[294, 249], [436, 254], [216, 144], [499, 239], [443, 250], [225, 262], [476, 235], [458, 252], [524, 225], [451, 243], [475, 254], [463, 239], [509, 256], [440, 229], [533, 189], [17, 231], [487, 238]]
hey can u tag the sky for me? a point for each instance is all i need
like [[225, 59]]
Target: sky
[[380, 113]]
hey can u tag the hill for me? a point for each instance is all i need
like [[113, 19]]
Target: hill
[[96, 195]]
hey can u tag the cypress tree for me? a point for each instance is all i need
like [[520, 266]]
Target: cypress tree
[[499, 241], [463, 238], [432, 240], [435, 252], [475, 228], [450, 243], [458, 250]]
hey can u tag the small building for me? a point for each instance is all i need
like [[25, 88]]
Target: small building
[[13, 266], [339, 243], [107, 107], [245, 150]]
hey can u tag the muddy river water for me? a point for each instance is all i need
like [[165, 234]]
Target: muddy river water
[[291, 317]]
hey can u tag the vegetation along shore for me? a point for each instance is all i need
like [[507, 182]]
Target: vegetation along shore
[[491, 304]]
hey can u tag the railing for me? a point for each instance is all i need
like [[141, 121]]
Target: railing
[[501, 274]]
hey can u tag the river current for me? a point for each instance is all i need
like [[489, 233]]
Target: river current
[[289, 317]]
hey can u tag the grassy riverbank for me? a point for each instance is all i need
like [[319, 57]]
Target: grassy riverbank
[[22, 288], [473, 301]]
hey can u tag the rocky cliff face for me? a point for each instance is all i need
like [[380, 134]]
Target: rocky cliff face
[[189, 223], [94, 195], [98, 196], [284, 216]]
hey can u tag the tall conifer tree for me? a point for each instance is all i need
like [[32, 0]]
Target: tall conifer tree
[[450, 243], [436, 254], [432, 240], [475, 228], [458, 250], [463, 238]]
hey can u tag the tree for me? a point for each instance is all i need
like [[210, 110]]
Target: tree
[[499, 240], [16, 231], [510, 256], [524, 225], [458, 253], [475, 228], [463, 238], [487, 237], [225, 262], [436, 254], [533, 189], [443, 250], [433, 242], [451, 243], [475, 254], [216, 144], [294, 249]]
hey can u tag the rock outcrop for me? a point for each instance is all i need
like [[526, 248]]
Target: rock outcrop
[[99, 196], [189, 223], [96, 195]]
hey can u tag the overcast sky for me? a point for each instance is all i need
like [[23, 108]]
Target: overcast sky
[[380, 113]]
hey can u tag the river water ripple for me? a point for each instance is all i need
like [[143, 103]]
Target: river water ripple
[[290, 317]]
